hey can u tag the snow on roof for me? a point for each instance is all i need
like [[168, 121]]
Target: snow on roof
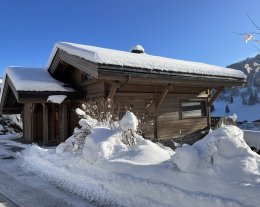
[[34, 79], [137, 49], [145, 61], [58, 99]]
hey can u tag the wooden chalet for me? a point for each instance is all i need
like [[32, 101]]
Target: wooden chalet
[[181, 92]]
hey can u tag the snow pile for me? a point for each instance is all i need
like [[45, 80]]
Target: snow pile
[[186, 158], [58, 99], [223, 150], [105, 144], [109, 172]]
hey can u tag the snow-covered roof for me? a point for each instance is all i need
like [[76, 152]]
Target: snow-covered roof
[[144, 61], [34, 79]]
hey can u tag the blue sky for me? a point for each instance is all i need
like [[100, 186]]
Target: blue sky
[[198, 30]]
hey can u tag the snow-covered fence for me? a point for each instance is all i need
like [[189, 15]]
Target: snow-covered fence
[[252, 138]]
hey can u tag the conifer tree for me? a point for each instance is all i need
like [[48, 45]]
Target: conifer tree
[[227, 110]]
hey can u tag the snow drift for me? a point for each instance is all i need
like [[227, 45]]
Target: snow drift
[[222, 151], [106, 144], [220, 170]]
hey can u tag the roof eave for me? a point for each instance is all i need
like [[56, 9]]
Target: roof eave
[[165, 76]]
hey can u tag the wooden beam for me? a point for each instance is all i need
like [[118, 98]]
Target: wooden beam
[[112, 92], [12, 110], [80, 63], [216, 94], [114, 87], [173, 80], [87, 82], [156, 124], [162, 96]]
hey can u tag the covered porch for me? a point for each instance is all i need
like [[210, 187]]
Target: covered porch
[[45, 122]]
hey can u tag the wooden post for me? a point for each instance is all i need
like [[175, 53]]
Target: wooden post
[[156, 124], [33, 124], [208, 109], [158, 103], [63, 122], [45, 123]]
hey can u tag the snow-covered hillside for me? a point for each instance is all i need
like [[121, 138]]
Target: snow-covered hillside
[[242, 101], [244, 112], [219, 170]]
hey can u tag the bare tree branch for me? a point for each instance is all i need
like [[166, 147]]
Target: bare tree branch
[[256, 48], [251, 20]]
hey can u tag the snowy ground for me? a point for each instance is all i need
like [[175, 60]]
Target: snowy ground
[[220, 170], [21, 187]]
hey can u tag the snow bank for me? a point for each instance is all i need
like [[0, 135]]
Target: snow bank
[[220, 170], [223, 151], [144, 152], [106, 144], [186, 158], [89, 172]]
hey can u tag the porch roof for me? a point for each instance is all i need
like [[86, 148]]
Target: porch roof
[[34, 79], [30, 85]]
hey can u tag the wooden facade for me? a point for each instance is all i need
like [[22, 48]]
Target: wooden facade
[[164, 99]]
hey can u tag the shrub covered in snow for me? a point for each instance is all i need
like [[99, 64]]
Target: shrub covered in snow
[[76, 142], [97, 141], [101, 109], [128, 124], [10, 124]]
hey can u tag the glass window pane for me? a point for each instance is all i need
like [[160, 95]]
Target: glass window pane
[[193, 109]]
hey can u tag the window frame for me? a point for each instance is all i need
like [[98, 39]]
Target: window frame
[[203, 115]]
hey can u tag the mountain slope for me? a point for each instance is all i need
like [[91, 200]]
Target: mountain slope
[[242, 101]]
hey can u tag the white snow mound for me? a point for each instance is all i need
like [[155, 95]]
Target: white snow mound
[[186, 158], [104, 144], [222, 150]]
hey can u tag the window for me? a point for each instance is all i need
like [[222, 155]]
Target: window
[[85, 77], [193, 108]]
